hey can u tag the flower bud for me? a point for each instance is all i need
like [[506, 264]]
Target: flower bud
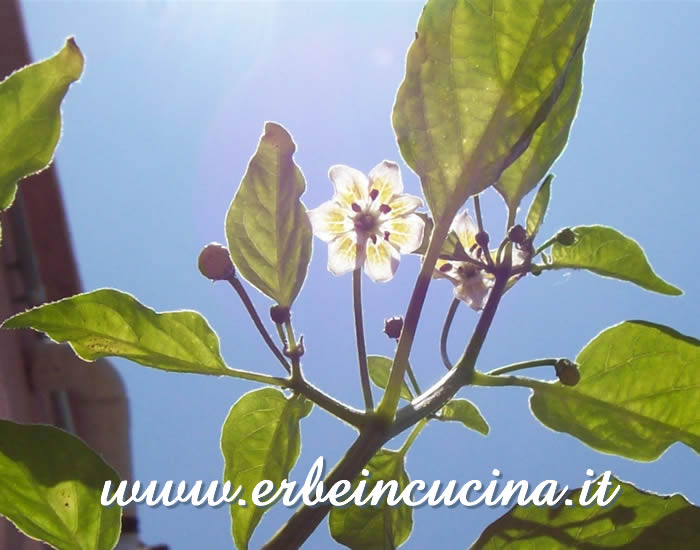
[[517, 234], [393, 327], [567, 372], [279, 314], [215, 263], [566, 237], [482, 239]]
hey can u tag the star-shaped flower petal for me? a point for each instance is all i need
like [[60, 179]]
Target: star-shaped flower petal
[[369, 221]]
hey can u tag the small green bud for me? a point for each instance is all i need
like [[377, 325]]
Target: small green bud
[[279, 314], [566, 237], [567, 372], [393, 327], [517, 234], [482, 239], [215, 263]]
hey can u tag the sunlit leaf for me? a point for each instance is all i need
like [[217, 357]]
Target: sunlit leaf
[[634, 520], [481, 77], [379, 368], [461, 410], [380, 527], [639, 387], [260, 440], [547, 143], [50, 488], [30, 111], [108, 322], [605, 251], [268, 231], [538, 208]]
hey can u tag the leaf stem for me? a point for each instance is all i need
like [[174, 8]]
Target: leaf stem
[[414, 381], [445, 333], [523, 365], [257, 377], [544, 246], [337, 408], [360, 338], [412, 436], [250, 308], [480, 225], [291, 348]]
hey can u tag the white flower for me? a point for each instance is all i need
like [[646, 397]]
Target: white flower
[[369, 221], [472, 283]]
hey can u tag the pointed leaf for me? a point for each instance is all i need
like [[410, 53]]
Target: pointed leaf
[[267, 229], [639, 382], [480, 80], [30, 110], [108, 322], [538, 208], [607, 252], [379, 527], [547, 143], [50, 488], [461, 410], [379, 368], [635, 519], [260, 440]]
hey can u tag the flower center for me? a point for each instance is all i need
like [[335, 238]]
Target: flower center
[[365, 222]]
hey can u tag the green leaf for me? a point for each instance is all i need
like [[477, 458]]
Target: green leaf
[[260, 440], [30, 110], [50, 488], [108, 322], [636, 519], [538, 208], [547, 143], [461, 410], [268, 231], [380, 527], [379, 369], [480, 79], [639, 386], [609, 253]]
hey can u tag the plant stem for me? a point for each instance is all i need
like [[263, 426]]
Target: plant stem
[[390, 401], [445, 333], [523, 365], [360, 338], [341, 410], [291, 348], [412, 436], [250, 308]]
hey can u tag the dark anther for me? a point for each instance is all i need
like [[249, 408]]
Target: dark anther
[[373, 194], [385, 208], [386, 235], [393, 327], [356, 207], [517, 234], [444, 268], [279, 314], [374, 238], [479, 253], [473, 247], [482, 239]]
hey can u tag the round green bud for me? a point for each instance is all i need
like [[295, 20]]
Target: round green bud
[[517, 234], [215, 263], [567, 372], [279, 314], [482, 239], [566, 237], [393, 327]]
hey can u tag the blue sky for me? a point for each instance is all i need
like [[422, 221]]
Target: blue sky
[[158, 134]]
